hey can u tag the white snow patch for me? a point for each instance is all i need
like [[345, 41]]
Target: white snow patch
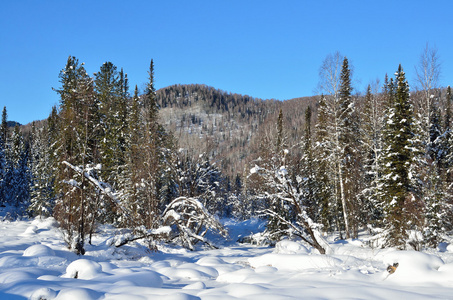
[[83, 269], [78, 294], [294, 262], [31, 267], [290, 247], [39, 250]]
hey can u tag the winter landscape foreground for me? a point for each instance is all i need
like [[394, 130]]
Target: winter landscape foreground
[[35, 264]]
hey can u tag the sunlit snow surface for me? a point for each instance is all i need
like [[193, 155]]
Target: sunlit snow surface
[[34, 264]]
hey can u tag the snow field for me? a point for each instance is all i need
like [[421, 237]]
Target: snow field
[[35, 264]]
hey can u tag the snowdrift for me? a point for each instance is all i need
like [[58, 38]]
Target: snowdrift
[[34, 264]]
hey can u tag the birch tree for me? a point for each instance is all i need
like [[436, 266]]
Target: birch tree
[[335, 80]]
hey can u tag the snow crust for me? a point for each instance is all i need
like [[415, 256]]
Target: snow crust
[[37, 265]]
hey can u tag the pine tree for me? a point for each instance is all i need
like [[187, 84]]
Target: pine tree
[[447, 157], [324, 173], [77, 203], [348, 165], [397, 159], [150, 160], [273, 160], [16, 181], [3, 157], [435, 184], [131, 187], [42, 191], [339, 125], [310, 184], [371, 131], [4, 126]]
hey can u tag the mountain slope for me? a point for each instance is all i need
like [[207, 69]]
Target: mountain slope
[[227, 126]]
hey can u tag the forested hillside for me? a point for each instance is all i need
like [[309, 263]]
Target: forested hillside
[[227, 126]]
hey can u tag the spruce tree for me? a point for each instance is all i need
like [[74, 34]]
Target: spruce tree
[[4, 126], [324, 173], [274, 160], [77, 203], [3, 170], [131, 187], [310, 184], [348, 163], [447, 160], [397, 159], [107, 94], [42, 190]]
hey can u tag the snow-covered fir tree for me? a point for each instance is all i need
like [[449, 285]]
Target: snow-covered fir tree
[[396, 187], [372, 123], [42, 193], [77, 203]]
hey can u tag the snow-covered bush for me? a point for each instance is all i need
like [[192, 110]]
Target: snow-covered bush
[[190, 221]]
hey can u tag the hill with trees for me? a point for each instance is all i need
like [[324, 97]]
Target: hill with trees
[[226, 125], [163, 165]]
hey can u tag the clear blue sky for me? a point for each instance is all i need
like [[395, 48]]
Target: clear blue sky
[[266, 49]]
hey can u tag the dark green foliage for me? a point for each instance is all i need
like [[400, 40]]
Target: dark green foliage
[[4, 126], [398, 192], [348, 136]]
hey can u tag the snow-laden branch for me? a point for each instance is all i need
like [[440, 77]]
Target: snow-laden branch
[[192, 221], [103, 187]]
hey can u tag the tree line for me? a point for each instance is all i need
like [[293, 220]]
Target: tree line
[[102, 157], [380, 161]]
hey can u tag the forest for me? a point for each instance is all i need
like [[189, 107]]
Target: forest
[[167, 166]]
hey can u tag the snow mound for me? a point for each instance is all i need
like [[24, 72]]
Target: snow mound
[[43, 293], [184, 273], [238, 276], [245, 291], [450, 248], [83, 269], [17, 262], [414, 267], [31, 230], [290, 247], [78, 294], [141, 279], [294, 262], [39, 250], [45, 223], [15, 276], [195, 286], [210, 261]]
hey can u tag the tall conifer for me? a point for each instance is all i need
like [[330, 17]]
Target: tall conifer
[[397, 161]]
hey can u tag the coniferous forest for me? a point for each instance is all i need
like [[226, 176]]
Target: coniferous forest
[[167, 166]]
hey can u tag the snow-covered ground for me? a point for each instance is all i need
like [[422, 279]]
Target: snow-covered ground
[[35, 264]]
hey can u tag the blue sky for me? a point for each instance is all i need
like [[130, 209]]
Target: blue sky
[[266, 49]]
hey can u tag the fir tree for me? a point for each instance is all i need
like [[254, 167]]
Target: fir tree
[[310, 184], [447, 157], [397, 161], [4, 126], [348, 164], [76, 200], [273, 160], [3, 170], [324, 174], [42, 190]]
